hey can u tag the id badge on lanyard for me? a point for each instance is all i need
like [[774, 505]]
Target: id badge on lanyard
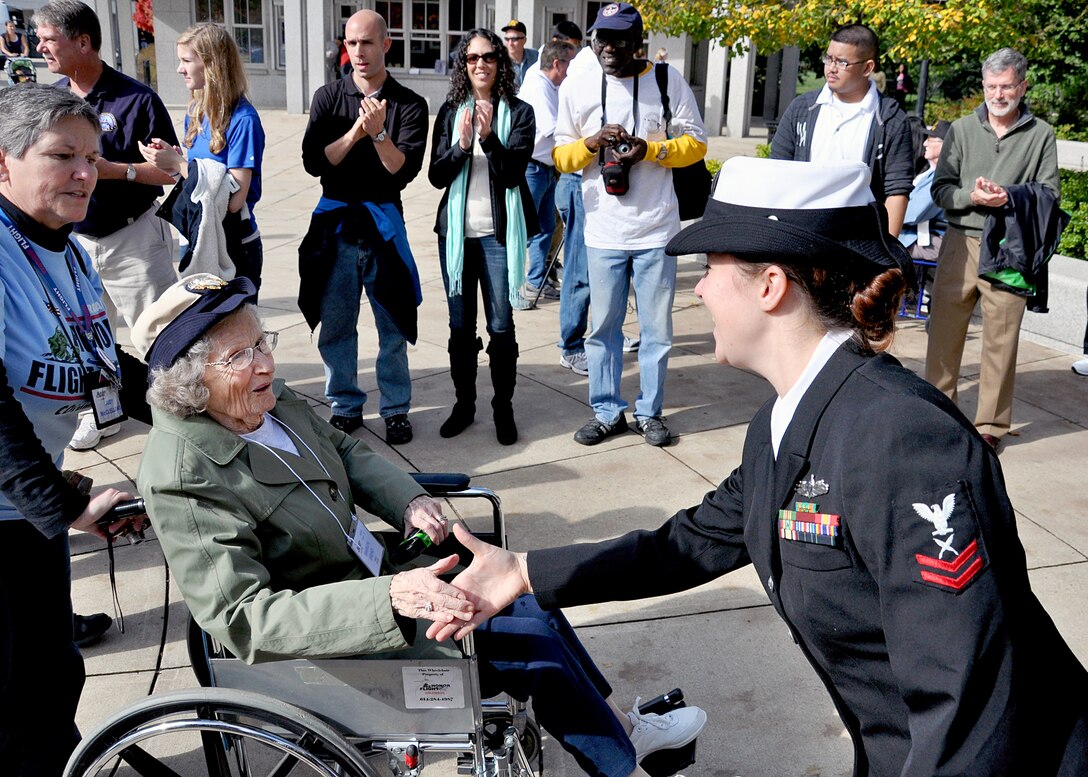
[[104, 394], [365, 546]]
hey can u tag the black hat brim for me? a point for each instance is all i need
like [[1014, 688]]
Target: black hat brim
[[733, 229]]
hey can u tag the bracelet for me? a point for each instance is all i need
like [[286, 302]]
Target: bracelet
[[176, 175]]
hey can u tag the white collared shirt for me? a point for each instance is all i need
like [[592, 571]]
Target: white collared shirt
[[786, 405], [842, 129], [539, 91]]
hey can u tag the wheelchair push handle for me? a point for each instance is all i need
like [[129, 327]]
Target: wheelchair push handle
[[126, 508]]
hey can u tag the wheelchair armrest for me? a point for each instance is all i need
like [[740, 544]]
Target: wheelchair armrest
[[441, 483]]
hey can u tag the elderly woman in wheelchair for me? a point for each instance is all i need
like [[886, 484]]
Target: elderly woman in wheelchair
[[252, 497]]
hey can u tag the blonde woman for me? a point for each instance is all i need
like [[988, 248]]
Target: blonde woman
[[220, 124]]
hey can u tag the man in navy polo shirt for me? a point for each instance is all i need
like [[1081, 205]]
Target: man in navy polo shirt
[[132, 249]]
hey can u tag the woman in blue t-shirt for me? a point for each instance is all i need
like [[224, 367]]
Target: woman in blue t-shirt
[[222, 125]]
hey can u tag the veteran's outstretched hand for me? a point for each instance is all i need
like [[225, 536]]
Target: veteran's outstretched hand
[[419, 593], [494, 579]]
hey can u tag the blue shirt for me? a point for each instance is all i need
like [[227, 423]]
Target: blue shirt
[[43, 368], [244, 149]]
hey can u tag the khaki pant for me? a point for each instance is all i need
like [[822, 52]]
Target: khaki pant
[[956, 289], [135, 263]]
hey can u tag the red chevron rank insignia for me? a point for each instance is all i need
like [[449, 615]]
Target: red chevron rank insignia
[[954, 575]]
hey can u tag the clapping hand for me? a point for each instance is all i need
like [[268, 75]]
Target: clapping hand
[[493, 580], [372, 116], [464, 129], [988, 194], [484, 111]]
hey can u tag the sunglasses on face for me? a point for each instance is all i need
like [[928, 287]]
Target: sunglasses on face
[[490, 58], [514, 38]]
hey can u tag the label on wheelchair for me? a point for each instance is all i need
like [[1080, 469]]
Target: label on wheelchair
[[433, 687]]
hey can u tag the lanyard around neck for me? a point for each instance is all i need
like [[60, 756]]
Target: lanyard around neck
[[298, 477], [83, 324], [634, 99]]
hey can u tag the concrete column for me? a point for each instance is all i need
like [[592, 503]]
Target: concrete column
[[306, 71], [739, 110], [505, 10], [679, 52], [172, 17], [717, 79], [118, 34], [791, 58], [770, 90]]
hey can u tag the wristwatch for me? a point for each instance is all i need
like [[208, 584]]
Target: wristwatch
[[380, 137], [664, 152], [130, 172]]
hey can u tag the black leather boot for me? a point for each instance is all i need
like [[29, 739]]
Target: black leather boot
[[504, 375], [463, 372]]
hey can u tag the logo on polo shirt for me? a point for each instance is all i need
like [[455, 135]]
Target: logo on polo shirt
[[108, 122]]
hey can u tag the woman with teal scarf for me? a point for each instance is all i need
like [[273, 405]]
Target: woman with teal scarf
[[483, 140]]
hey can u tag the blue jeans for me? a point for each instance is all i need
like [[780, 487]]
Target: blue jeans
[[529, 652], [610, 274], [541, 180], [484, 267], [574, 294], [354, 271]]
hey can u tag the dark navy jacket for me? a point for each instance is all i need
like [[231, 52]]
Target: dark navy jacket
[[920, 621]]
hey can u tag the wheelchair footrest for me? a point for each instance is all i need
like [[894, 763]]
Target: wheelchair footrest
[[667, 762]]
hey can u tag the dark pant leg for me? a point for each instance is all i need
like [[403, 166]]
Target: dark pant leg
[[251, 264], [530, 653], [41, 670], [463, 306]]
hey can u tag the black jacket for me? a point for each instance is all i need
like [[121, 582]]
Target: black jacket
[[506, 164], [889, 152], [921, 622], [1022, 236]]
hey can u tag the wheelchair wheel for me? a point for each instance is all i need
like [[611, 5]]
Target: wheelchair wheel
[[216, 732], [532, 745]]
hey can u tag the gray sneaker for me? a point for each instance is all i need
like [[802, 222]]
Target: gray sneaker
[[576, 363]]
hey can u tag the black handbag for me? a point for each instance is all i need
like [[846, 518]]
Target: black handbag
[[691, 183]]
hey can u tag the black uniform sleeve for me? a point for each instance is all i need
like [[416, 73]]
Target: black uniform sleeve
[[508, 162], [784, 144], [28, 477], [447, 156], [695, 546]]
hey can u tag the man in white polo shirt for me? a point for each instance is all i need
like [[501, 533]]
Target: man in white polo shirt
[[848, 120]]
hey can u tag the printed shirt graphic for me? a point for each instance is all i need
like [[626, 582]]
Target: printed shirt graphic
[[43, 368]]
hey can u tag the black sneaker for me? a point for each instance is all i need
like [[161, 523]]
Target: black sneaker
[[346, 423], [398, 429], [88, 629], [597, 431], [654, 430]]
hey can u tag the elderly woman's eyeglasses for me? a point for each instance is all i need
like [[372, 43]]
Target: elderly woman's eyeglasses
[[490, 57], [841, 64], [243, 358]]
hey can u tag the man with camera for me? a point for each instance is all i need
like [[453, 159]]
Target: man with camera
[[611, 127]]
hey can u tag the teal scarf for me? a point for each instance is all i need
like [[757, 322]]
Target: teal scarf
[[515, 217]]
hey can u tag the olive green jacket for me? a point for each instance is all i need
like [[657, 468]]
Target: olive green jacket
[[263, 567]]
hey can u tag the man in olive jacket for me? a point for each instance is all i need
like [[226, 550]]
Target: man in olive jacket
[[998, 145]]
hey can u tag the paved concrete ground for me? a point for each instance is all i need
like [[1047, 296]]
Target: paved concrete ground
[[722, 643]]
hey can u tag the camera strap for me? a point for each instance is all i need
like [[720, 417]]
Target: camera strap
[[604, 108]]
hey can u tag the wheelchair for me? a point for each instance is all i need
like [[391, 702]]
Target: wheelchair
[[349, 717]]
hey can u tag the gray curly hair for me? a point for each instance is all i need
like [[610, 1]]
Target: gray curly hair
[[180, 389]]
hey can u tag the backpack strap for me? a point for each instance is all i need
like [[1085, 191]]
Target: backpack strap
[[661, 73]]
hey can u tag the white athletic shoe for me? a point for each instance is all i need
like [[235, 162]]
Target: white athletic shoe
[[88, 435], [1081, 367], [664, 732]]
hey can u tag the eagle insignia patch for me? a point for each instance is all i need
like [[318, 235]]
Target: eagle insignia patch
[[953, 557]]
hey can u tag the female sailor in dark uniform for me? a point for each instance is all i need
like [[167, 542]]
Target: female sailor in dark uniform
[[875, 515]]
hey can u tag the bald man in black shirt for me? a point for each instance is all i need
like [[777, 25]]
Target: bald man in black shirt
[[365, 139]]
